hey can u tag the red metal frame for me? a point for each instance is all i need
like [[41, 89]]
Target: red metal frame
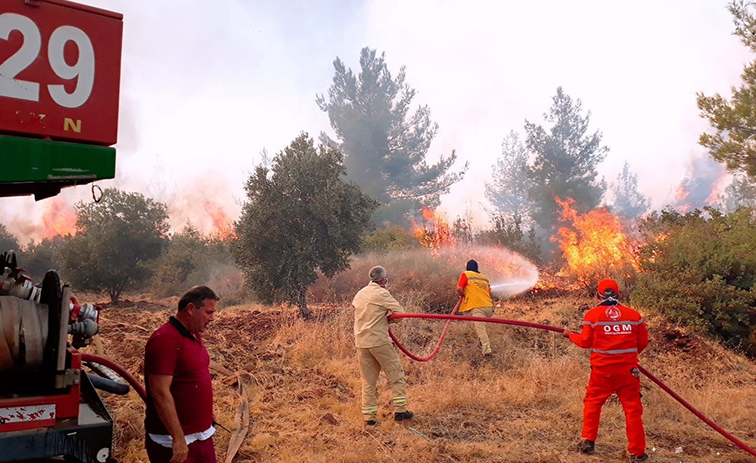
[[40, 115], [66, 404], [80, 7]]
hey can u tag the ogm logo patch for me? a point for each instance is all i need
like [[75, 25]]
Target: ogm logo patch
[[613, 313]]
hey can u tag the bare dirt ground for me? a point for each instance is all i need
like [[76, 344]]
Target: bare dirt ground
[[523, 405]]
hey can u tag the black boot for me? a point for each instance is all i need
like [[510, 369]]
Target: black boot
[[403, 416], [643, 457], [587, 447]]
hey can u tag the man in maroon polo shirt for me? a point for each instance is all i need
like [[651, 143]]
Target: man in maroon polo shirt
[[179, 420]]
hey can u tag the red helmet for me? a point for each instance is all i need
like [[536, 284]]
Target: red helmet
[[608, 288]]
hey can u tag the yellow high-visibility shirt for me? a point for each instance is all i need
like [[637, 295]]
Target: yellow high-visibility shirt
[[477, 291]]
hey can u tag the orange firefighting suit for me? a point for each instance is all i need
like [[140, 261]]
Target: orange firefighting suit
[[616, 335]]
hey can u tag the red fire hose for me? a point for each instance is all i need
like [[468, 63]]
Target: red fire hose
[[440, 340], [121, 372], [502, 321]]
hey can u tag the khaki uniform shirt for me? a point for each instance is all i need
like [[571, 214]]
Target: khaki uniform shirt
[[372, 306]]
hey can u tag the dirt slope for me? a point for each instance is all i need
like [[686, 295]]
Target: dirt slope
[[524, 405]]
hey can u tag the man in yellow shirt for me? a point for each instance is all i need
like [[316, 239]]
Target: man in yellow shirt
[[474, 289], [373, 304]]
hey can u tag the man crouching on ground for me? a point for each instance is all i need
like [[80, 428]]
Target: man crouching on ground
[[373, 304], [179, 422]]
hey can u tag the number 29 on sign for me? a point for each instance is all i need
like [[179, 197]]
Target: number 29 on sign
[[83, 69]]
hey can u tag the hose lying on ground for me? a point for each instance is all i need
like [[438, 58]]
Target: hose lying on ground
[[502, 321]]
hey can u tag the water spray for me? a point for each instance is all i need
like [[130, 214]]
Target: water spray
[[515, 287]]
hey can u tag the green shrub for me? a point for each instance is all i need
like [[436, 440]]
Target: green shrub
[[192, 259], [699, 269], [179, 259], [40, 257], [8, 241], [387, 239]]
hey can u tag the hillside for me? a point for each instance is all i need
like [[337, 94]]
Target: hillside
[[523, 405]]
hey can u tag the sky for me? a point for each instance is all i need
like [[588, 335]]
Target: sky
[[206, 86]]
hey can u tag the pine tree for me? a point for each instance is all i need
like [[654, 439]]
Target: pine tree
[[385, 146], [628, 201], [566, 158]]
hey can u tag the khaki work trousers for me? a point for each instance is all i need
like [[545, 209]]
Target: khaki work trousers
[[372, 361], [480, 327]]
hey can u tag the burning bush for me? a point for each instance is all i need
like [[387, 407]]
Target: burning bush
[[699, 269], [594, 245]]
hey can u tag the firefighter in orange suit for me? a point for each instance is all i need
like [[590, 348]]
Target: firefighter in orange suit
[[616, 335], [474, 289]]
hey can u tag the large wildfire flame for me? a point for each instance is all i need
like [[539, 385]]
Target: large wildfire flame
[[223, 227], [594, 244], [434, 233], [58, 218]]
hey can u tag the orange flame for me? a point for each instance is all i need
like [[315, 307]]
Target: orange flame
[[58, 219], [594, 245], [717, 189], [223, 227], [681, 194], [681, 198], [435, 233]]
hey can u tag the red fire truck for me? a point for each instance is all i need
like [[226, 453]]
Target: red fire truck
[[60, 66]]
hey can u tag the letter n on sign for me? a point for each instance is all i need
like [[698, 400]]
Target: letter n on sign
[[68, 123]]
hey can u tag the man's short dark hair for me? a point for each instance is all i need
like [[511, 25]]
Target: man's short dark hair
[[197, 296]]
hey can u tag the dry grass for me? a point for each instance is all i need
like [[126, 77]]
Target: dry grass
[[428, 279], [524, 405]]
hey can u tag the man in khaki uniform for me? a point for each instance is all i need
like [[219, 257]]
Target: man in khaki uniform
[[372, 306], [475, 291]]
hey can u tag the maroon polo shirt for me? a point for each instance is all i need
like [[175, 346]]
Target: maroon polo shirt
[[173, 350]]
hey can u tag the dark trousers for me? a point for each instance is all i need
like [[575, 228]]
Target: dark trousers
[[199, 452]]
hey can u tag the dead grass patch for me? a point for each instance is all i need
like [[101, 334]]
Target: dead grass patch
[[523, 405]]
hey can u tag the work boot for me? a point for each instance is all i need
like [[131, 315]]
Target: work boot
[[634, 458], [587, 447], [401, 416], [371, 423]]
